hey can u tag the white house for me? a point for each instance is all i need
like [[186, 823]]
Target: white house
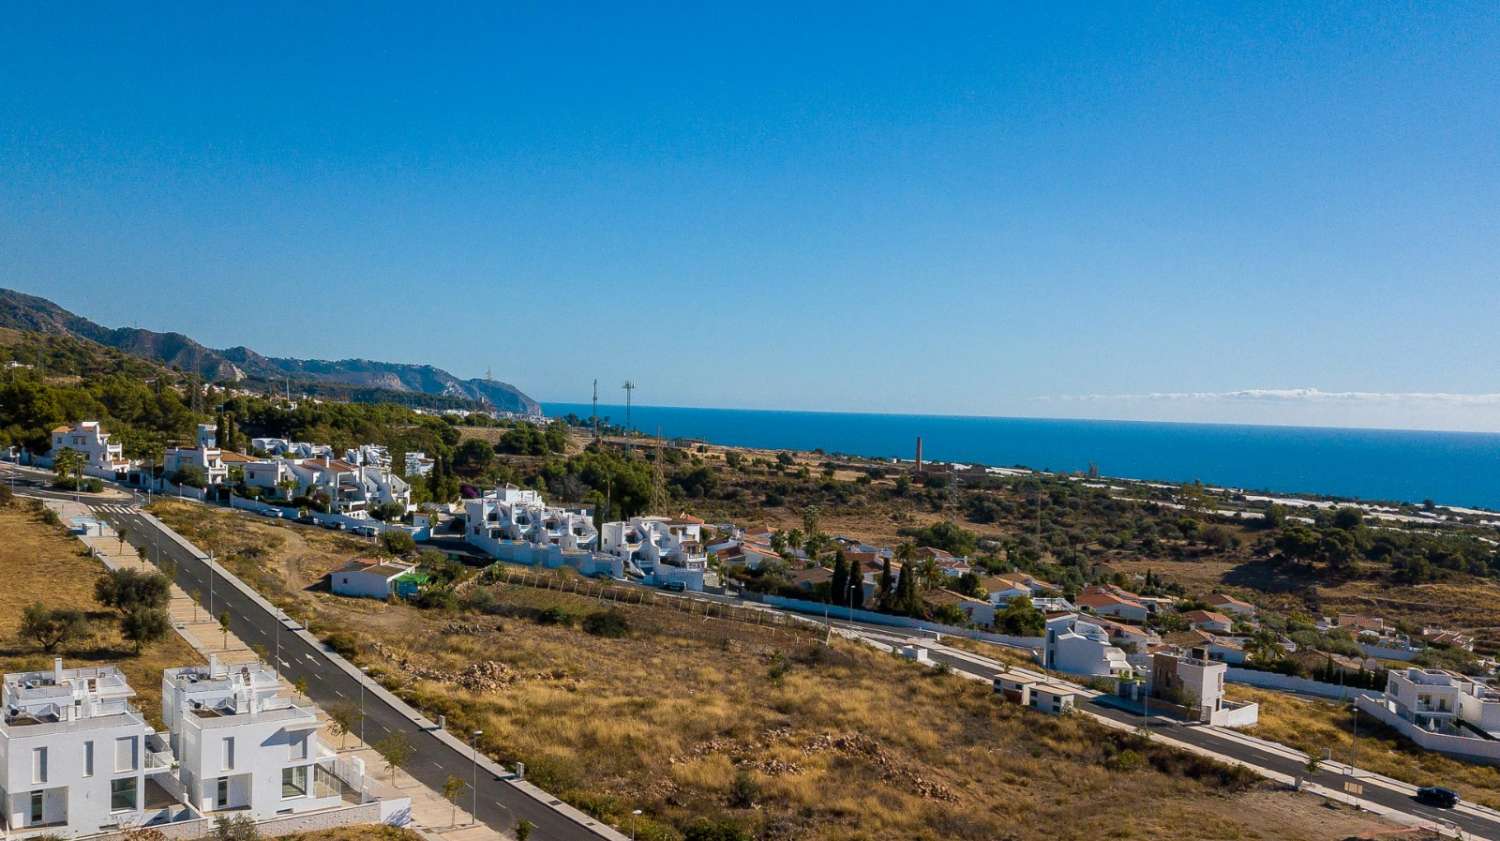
[[1441, 711], [243, 747], [101, 458], [205, 459], [1111, 604], [365, 579], [663, 549], [269, 474], [1029, 690], [76, 758], [1227, 604], [1208, 620], [1083, 648]]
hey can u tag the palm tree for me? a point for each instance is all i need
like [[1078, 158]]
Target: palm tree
[[68, 462], [1264, 645]]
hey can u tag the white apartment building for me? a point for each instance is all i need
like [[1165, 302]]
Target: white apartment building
[[418, 464], [290, 449], [101, 459], [1082, 648], [369, 455], [242, 745], [351, 489], [662, 549], [76, 758], [512, 514], [205, 459]]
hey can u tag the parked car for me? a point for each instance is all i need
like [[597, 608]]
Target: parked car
[[271, 512], [333, 525], [365, 531], [307, 520], [674, 587], [1443, 798]]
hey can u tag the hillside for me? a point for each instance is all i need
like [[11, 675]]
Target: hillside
[[30, 313]]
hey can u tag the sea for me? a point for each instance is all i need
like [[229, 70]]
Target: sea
[[1451, 468]]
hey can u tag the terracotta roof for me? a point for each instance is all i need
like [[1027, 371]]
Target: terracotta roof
[[235, 458], [1225, 598], [1206, 616], [685, 520], [1098, 600]]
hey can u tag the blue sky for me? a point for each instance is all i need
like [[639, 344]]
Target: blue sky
[[1105, 210]]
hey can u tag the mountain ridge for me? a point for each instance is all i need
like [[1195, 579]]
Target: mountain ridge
[[21, 311]]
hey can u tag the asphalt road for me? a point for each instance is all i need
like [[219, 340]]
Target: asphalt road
[[500, 804]]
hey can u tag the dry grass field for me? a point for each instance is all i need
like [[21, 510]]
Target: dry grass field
[[693, 719], [1314, 727], [40, 562]]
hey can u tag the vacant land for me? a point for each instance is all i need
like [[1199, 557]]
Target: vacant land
[[692, 719], [39, 562], [1316, 727]]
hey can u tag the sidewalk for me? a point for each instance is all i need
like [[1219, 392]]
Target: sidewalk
[[432, 816]]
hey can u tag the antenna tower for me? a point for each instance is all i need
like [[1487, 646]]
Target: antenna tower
[[629, 387], [594, 418]]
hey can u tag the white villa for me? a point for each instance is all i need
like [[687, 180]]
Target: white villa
[[661, 549], [1081, 648], [1440, 710], [205, 459], [76, 758], [242, 745], [370, 455], [101, 459]]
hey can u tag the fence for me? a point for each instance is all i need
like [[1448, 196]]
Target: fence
[[605, 591], [396, 812], [873, 618], [1472, 748], [288, 513], [1290, 683]]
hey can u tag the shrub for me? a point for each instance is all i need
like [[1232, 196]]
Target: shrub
[[554, 616], [743, 791], [343, 643], [721, 829], [606, 623], [397, 542]]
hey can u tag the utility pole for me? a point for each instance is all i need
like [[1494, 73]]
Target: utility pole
[[594, 418], [474, 786], [629, 387]]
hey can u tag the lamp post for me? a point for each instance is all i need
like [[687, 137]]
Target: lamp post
[[474, 783], [635, 814]]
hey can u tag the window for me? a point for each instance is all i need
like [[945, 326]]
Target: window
[[122, 794], [36, 807], [228, 753], [125, 754], [294, 782], [88, 759], [221, 793], [298, 747], [39, 765]]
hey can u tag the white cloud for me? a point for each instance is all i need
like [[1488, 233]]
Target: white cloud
[[1293, 395]]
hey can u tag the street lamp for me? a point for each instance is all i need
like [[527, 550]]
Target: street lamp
[[474, 785], [635, 814]]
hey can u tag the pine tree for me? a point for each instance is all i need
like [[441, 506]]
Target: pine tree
[[855, 597], [887, 590], [839, 586]]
